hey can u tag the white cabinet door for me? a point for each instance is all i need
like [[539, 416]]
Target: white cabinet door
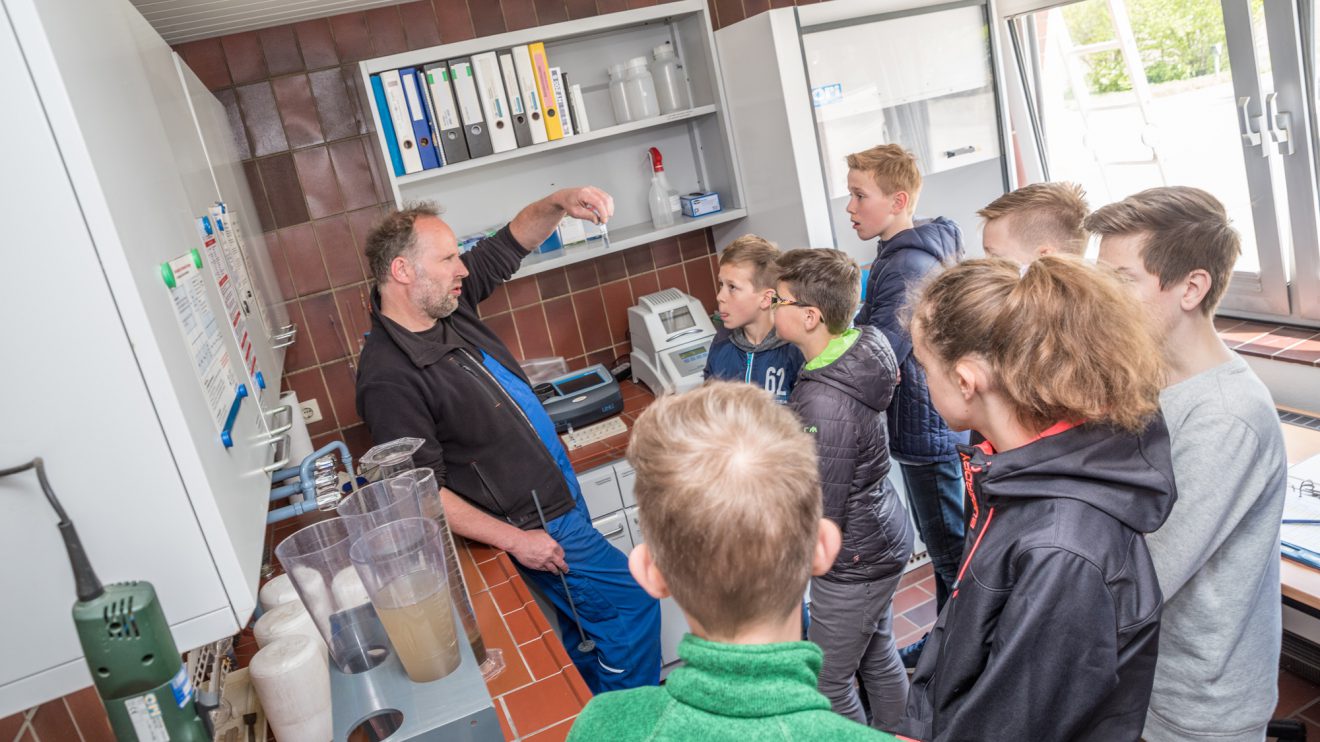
[[615, 530], [623, 471], [601, 491], [634, 524]]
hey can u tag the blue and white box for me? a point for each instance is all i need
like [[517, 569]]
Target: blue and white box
[[699, 204]]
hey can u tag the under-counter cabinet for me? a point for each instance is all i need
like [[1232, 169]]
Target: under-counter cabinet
[[614, 513]]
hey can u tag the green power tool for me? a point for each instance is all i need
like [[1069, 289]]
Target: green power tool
[[128, 646]]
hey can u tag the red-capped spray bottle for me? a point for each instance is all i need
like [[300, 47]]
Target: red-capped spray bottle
[[662, 199]]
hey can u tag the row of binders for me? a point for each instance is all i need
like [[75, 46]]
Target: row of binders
[[446, 112]]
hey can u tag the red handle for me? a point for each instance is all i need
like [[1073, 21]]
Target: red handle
[[657, 162]]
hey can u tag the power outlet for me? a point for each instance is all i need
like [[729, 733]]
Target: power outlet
[[311, 411]]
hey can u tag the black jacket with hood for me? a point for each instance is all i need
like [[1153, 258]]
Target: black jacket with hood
[[917, 433], [1052, 629], [432, 385], [843, 405]]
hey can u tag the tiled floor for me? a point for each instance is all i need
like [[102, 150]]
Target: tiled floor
[[914, 605], [1299, 699]]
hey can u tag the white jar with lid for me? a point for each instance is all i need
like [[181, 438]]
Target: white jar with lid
[[640, 89], [671, 89], [619, 95]]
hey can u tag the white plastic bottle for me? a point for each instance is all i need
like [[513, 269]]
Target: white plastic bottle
[[641, 90], [671, 89], [657, 198], [658, 166], [619, 95]]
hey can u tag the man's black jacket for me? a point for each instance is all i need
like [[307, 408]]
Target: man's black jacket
[[432, 385]]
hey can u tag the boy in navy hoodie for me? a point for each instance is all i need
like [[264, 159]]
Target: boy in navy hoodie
[[751, 352], [884, 184]]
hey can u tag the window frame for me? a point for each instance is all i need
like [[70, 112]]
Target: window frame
[[1287, 286]]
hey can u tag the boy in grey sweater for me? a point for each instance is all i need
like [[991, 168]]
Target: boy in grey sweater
[[1217, 555]]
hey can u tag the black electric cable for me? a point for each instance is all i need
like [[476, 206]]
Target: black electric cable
[[87, 583]]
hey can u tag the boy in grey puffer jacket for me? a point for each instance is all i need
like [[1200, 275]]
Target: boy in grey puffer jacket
[[841, 397]]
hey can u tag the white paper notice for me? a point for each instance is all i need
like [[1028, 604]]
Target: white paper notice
[[203, 336], [223, 272], [231, 241]]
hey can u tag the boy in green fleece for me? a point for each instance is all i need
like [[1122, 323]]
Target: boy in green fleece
[[735, 546]]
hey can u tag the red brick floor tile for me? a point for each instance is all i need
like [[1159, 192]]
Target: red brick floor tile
[[496, 636], [916, 575], [556, 733], [506, 597], [503, 716], [909, 598], [471, 575], [482, 552], [493, 572], [521, 626], [922, 615], [543, 704], [52, 721], [519, 586], [903, 627], [539, 659], [538, 616], [1295, 693], [10, 725], [579, 685]]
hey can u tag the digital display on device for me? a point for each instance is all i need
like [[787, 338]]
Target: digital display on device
[[577, 384]]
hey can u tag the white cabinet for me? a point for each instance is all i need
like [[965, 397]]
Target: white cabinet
[[106, 174], [634, 519], [601, 491], [627, 477], [815, 83], [696, 144], [615, 530]]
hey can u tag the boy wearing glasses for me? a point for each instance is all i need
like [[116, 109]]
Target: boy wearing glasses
[[841, 396]]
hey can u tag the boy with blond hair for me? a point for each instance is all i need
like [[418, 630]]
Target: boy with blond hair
[[1035, 220], [751, 352], [841, 396], [884, 184], [745, 676]]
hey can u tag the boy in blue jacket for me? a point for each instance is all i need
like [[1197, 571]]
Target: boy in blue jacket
[[884, 184], [751, 352]]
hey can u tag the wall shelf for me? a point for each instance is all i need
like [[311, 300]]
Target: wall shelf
[[558, 144]]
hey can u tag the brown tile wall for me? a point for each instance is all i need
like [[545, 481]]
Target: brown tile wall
[[319, 184]]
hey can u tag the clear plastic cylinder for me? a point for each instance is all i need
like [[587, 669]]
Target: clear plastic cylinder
[[671, 91], [317, 559], [402, 565], [379, 503], [619, 95], [640, 90], [428, 496]]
